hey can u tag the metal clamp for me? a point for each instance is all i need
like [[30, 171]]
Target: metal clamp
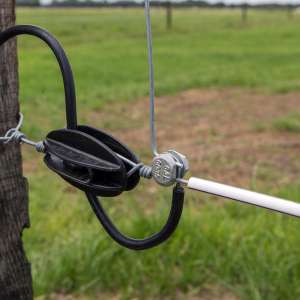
[[169, 167]]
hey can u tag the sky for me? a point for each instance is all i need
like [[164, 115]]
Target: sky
[[227, 1], [260, 1]]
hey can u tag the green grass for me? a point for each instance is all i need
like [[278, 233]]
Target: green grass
[[107, 49], [251, 252], [290, 123]]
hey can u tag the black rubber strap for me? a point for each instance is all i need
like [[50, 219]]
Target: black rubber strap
[[152, 241], [69, 86]]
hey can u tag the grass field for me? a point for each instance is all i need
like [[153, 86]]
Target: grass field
[[247, 252]]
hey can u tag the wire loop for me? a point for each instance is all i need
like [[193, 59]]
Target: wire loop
[[14, 134]]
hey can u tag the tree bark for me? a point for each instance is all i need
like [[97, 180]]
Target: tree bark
[[15, 273]]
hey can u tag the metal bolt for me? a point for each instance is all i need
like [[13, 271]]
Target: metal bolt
[[168, 167]]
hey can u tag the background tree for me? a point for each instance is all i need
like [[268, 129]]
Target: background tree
[[15, 275]]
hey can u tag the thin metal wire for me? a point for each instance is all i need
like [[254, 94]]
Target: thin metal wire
[[151, 79], [133, 164], [144, 170], [15, 135]]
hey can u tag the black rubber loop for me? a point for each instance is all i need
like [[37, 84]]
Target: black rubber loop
[[152, 241], [71, 115], [69, 86]]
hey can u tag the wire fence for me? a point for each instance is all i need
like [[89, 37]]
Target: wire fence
[[169, 6]]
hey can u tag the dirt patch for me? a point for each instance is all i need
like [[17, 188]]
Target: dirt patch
[[72, 297], [224, 133], [206, 294], [220, 131]]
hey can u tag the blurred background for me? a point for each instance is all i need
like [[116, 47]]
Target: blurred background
[[228, 88]]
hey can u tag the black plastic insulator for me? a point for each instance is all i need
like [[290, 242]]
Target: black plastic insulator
[[141, 244], [66, 71], [87, 159], [117, 147]]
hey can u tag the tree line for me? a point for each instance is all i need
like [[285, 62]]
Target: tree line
[[158, 3]]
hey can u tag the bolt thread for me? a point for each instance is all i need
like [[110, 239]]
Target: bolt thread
[[146, 172], [40, 147]]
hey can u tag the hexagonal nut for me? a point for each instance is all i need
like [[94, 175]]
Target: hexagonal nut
[[164, 169]]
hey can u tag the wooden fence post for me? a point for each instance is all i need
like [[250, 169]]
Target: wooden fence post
[[290, 10], [169, 15], [15, 273], [244, 12]]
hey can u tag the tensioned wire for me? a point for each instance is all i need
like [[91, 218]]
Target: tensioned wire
[[14, 134], [151, 78]]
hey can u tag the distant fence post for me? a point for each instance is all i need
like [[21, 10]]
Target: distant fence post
[[244, 11], [169, 15], [290, 10]]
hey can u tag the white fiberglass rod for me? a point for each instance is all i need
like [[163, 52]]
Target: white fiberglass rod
[[273, 203]]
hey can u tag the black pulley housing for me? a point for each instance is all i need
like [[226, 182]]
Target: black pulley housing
[[117, 147], [87, 158]]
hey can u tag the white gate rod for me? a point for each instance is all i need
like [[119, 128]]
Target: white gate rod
[[230, 192]]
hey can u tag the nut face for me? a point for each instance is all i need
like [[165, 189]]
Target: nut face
[[182, 160], [164, 169]]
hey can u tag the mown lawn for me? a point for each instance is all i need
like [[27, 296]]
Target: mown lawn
[[107, 49], [252, 253]]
